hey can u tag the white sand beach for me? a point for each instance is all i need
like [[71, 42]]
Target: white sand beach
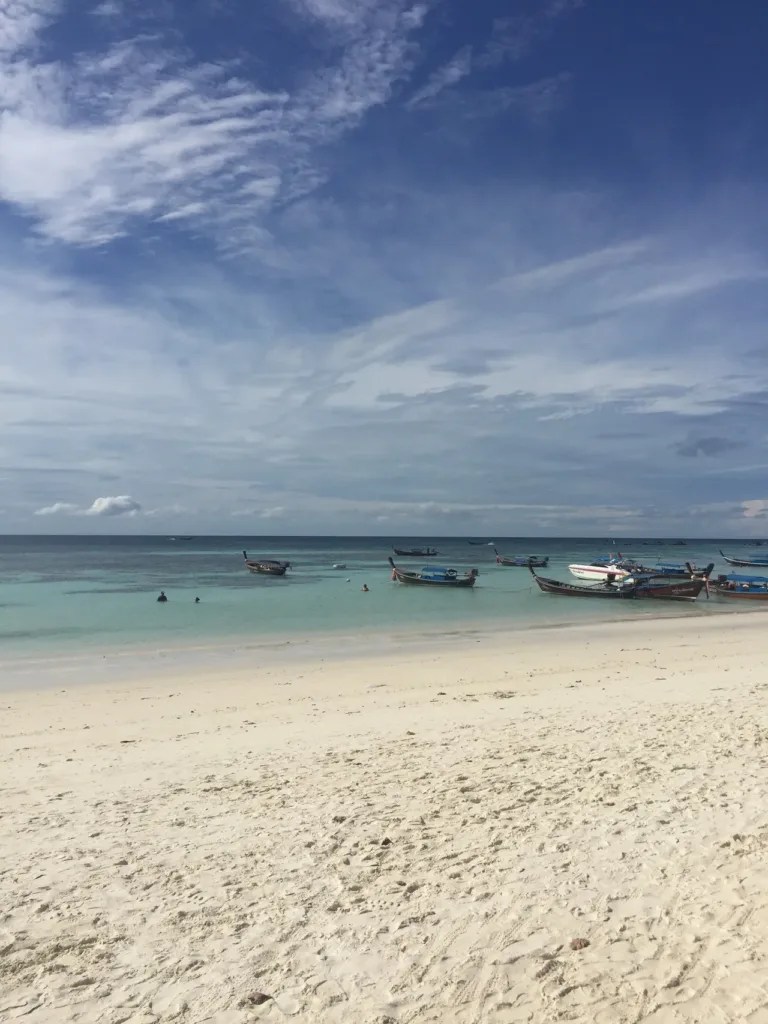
[[559, 825]]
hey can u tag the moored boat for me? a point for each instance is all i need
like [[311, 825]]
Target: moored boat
[[415, 552], [521, 561], [601, 569], [627, 587], [433, 576], [623, 568], [266, 566], [741, 587], [759, 562], [608, 587], [672, 589]]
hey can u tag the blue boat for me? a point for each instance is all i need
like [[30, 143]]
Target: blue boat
[[433, 575], [741, 587]]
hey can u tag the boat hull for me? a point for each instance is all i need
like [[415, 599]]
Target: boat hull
[[740, 595], [414, 553], [604, 592], [685, 590], [267, 570], [417, 580], [265, 566], [759, 564]]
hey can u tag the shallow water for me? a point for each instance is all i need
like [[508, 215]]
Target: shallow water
[[94, 592]]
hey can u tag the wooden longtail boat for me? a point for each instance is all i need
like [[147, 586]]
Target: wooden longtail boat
[[606, 588], [741, 588], [627, 587], [521, 561], [681, 590], [759, 562], [415, 552], [266, 566], [432, 576]]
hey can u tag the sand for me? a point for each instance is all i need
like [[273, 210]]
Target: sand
[[563, 825]]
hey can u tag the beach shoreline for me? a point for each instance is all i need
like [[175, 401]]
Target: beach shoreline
[[21, 668], [559, 824]]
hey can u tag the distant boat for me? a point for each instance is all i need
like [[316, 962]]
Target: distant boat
[[266, 566], [339, 565], [522, 561], [432, 576], [741, 588], [481, 543], [757, 561], [415, 552]]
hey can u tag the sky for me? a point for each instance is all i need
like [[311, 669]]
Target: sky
[[400, 267]]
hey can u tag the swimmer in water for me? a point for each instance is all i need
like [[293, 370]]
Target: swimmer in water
[[364, 588], [197, 600], [162, 599]]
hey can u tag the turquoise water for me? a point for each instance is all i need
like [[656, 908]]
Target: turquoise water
[[69, 593]]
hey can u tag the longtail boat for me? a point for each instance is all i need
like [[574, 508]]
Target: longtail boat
[[266, 566], [481, 543], [607, 587], [522, 561], [759, 561], [415, 552], [681, 590], [741, 588], [432, 576], [627, 587]]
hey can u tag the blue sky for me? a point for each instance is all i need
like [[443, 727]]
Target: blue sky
[[345, 266]]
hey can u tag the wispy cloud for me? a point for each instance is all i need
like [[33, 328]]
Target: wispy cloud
[[510, 39], [139, 132], [458, 67]]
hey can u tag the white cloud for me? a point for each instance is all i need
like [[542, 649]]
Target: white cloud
[[458, 67], [123, 505], [756, 508], [139, 132], [58, 508]]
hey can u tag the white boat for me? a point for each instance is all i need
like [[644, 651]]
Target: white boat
[[339, 565], [598, 571]]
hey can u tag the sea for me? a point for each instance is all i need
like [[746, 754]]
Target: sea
[[60, 595]]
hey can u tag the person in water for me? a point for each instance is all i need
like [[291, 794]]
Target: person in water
[[197, 600], [162, 599], [364, 588]]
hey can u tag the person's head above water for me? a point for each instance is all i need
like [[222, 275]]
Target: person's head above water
[[162, 596], [197, 600]]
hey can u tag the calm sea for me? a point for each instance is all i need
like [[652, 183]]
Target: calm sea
[[69, 593]]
